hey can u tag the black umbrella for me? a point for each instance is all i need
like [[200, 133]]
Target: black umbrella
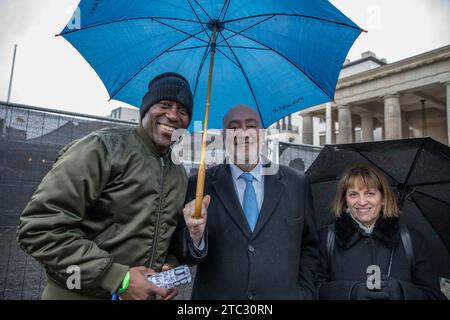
[[419, 172]]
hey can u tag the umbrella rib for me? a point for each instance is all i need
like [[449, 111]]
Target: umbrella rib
[[223, 7], [432, 197], [145, 66], [294, 15], [198, 18], [288, 60], [374, 164], [121, 51], [239, 33], [125, 20], [429, 183], [187, 48], [226, 56], [247, 80], [324, 180], [426, 218], [244, 47], [227, 2], [179, 30], [416, 158], [209, 17], [200, 68]]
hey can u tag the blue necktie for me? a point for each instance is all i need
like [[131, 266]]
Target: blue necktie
[[250, 202]]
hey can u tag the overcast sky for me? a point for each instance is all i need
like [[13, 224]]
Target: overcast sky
[[50, 73]]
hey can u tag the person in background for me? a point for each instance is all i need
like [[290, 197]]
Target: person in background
[[367, 254], [297, 164]]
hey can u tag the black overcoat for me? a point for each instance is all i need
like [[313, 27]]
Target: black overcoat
[[276, 261], [354, 251]]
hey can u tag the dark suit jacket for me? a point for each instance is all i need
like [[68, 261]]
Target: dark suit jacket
[[276, 261]]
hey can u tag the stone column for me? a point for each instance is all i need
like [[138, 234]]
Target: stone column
[[333, 131], [345, 124], [329, 124], [392, 117], [367, 127], [447, 84], [307, 136], [405, 126]]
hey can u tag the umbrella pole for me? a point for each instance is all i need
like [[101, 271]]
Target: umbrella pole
[[201, 169]]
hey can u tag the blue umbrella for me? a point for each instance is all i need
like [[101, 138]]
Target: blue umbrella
[[276, 56]]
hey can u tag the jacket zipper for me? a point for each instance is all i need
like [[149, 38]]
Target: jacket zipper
[[158, 217]]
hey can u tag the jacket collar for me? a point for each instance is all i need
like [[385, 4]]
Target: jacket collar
[[223, 184], [348, 232], [148, 141], [273, 191]]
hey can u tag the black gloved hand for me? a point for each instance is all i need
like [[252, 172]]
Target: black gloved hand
[[392, 287], [361, 292]]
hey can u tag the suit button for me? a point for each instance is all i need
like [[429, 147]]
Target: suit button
[[366, 240], [251, 248]]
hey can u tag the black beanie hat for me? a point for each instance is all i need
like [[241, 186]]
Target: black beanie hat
[[168, 86]]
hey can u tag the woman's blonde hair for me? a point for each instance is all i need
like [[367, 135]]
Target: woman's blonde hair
[[365, 175]]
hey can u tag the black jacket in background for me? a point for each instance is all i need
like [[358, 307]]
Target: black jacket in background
[[355, 250]]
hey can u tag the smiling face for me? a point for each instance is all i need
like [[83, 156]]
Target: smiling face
[[243, 137], [162, 119], [364, 203]]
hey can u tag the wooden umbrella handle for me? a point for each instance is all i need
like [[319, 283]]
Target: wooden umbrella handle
[[199, 191], [201, 169]]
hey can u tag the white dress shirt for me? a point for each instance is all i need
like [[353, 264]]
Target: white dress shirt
[[239, 184]]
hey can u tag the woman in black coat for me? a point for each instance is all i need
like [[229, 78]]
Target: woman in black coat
[[366, 254]]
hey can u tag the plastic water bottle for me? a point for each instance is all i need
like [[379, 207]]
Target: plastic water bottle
[[172, 278]]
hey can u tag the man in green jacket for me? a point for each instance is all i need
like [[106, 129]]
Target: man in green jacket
[[102, 218]]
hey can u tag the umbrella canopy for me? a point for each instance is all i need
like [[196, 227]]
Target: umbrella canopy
[[417, 169], [275, 56]]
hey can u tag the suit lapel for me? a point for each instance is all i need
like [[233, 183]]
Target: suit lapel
[[224, 187], [273, 190]]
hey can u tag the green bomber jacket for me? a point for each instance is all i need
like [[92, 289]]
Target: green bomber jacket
[[110, 202]]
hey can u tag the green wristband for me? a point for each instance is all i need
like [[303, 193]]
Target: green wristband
[[125, 283]]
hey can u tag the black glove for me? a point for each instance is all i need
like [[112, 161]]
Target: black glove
[[392, 287], [361, 292]]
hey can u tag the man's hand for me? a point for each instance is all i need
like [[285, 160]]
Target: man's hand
[[140, 288], [195, 226]]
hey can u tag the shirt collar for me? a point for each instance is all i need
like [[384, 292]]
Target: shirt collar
[[257, 171], [363, 227]]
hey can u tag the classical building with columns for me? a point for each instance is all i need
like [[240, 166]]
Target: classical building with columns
[[375, 101]]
